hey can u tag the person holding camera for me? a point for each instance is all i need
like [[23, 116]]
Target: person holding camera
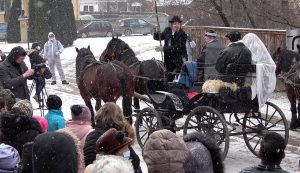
[[41, 71], [14, 73], [52, 50]]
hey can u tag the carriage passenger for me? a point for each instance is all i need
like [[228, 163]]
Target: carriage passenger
[[209, 54], [235, 53]]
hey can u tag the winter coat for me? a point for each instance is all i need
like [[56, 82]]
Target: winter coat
[[209, 56], [205, 154], [35, 58], [235, 53], [262, 168], [56, 152], [51, 47], [55, 120], [18, 129], [174, 48], [164, 152], [90, 153], [26, 166], [11, 77], [80, 129]]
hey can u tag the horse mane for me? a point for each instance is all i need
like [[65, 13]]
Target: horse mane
[[85, 58], [122, 50]]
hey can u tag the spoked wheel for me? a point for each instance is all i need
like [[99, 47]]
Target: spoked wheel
[[211, 122], [147, 121], [257, 124]]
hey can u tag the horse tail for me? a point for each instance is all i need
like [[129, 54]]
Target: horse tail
[[127, 100]]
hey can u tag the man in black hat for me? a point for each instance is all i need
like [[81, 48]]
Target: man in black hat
[[14, 73], [209, 54], [174, 47], [235, 53]]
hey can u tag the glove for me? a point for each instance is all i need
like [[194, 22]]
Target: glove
[[159, 48], [57, 53]]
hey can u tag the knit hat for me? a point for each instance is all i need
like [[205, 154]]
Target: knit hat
[[165, 152], [9, 97], [34, 45], [80, 113], [211, 33], [111, 141], [54, 102], [23, 107], [43, 122], [9, 157]]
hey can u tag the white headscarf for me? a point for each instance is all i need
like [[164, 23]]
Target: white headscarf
[[265, 82]]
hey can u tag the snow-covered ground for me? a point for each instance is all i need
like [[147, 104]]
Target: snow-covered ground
[[238, 156]]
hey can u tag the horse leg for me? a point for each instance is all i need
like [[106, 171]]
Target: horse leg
[[98, 104], [298, 120], [136, 103], [292, 99]]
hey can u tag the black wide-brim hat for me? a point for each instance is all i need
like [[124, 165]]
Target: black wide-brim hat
[[175, 19]]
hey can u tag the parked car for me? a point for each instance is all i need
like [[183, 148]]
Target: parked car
[[87, 17], [3, 30], [134, 26], [96, 29]]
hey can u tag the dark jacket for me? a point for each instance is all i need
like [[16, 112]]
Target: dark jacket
[[11, 76], [55, 152], [89, 149], [209, 55], [263, 168], [35, 58], [235, 53], [174, 48], [18, 129]]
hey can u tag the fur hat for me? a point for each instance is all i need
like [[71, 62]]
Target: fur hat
[[111, 141], [54, 102], [9, 157], [43, 122], [233, 36], [80, 113], [111, 163], [23, 107], [175, 19], [9, 97]]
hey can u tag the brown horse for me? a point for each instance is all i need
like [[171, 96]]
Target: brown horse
[[103, 81], [287, 66], [144, 71]]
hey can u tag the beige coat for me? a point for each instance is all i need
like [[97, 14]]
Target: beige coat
[[164, 152]]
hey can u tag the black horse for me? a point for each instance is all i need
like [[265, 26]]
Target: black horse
[[287, 66], [152, 69], [103, 81]]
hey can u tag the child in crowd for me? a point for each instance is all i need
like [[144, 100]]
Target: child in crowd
[[54, 116], [43, 122]]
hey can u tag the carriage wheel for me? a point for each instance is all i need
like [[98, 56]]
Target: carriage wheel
[[257, 124], [211, 122], [147, 121]]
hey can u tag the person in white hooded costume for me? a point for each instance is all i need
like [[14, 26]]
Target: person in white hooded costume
[[52, 50], [265, 82]]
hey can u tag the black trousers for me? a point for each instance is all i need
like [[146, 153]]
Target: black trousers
[[40, 85]]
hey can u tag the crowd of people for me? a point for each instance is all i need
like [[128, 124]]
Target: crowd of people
[[50, 144]]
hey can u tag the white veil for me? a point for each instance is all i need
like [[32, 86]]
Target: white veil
[[265, 82]]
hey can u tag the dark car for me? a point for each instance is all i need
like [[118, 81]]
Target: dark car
[[95, 29], [134, 26], [3, 30]]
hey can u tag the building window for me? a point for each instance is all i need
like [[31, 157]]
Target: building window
[[89, 8], [2, 5]]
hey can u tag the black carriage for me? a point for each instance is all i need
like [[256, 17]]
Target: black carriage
[[219, 115]]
